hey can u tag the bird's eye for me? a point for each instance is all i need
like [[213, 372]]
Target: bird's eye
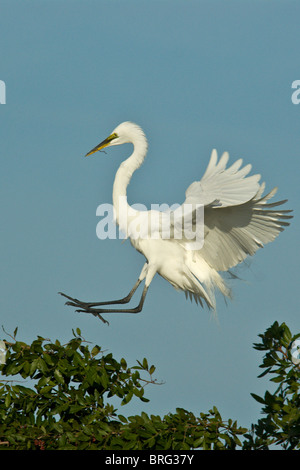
[[112, 137]]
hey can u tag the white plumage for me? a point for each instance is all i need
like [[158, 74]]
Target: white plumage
[[238, 220]]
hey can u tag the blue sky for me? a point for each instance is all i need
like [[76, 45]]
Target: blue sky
[[195, 75]]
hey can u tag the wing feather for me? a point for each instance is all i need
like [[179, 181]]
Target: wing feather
[[238, 219], [221, 186], [233, 233]]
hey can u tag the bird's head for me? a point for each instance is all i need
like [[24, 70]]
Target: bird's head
[[124, 133]]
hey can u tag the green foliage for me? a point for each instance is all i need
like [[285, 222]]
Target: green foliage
[[281, 423], [58, 397], [67, 406]]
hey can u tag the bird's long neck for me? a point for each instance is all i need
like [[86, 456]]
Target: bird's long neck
[[122, 179]]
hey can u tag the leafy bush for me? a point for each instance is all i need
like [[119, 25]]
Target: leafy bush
[[281, 423], [65, 401]]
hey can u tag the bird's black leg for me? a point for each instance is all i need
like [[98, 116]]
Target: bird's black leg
[[88, 307], [78, 303], [99, 311]]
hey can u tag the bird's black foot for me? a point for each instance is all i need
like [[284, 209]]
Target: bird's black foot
[[75, 302], [85, 307], [96, 313]]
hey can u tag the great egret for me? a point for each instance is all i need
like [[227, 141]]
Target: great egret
[[238, 220]]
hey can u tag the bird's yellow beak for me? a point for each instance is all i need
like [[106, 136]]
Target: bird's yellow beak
[[103, 144]]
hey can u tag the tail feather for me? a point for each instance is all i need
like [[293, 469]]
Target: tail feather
[[203, 282]]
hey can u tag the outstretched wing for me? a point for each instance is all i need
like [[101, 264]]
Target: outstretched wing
[[221, 186], [233, 233], [237, 218]]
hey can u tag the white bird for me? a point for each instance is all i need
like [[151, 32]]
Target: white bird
[[238, 220]]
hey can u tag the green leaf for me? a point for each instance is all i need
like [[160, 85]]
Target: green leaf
[[258, 398], [123, 363], [127, 398], [198, 442], [150, 442], [287, 335], [185, 446], [7, 400], [58, 376], [104, 379], [96, 349], [33, 367], [265, 372], [123, 419], [45, 389]]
